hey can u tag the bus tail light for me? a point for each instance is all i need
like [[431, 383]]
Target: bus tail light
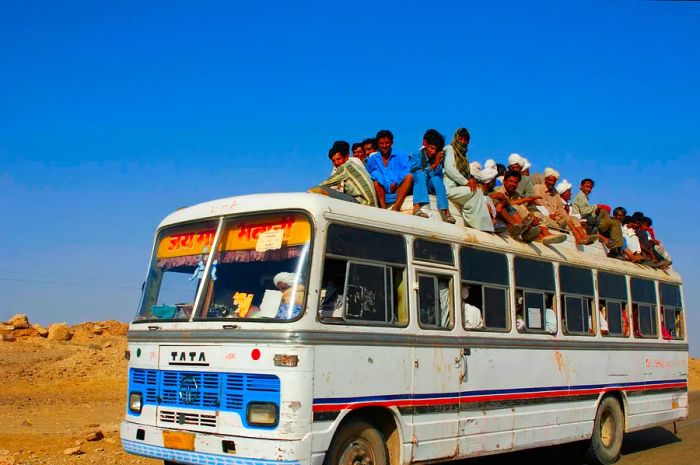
[[262, 414]]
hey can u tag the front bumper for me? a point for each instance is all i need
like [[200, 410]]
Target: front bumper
[[208, 448]]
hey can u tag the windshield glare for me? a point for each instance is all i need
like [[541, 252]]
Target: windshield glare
[[259, 270]]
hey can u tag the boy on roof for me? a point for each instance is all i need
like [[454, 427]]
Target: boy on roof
[[426, 168]]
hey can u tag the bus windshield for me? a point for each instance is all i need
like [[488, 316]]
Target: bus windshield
[[258, 272], [261, 269], [176, 272]]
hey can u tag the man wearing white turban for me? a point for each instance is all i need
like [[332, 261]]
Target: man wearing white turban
[[520, 164], [487, 182], [292, 296], [556, 216], [564, 190]]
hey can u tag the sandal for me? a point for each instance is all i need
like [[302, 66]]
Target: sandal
[[531, 234], [420, 212], [448, 218]]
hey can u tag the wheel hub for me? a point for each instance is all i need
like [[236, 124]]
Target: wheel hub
[[607, 428], [358, 452]]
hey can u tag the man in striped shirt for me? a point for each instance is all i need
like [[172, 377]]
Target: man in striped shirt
[[350, 181]]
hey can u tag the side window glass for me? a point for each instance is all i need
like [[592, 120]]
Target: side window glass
[[672, 312], [577, 297], [436, 252], [535, 310], [644, 308], [434, 301], [484, 290], [613, 312], [364, 278]]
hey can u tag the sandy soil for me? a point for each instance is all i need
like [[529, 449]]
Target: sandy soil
[[55, 394]]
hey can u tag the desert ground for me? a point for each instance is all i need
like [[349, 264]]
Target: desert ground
[[64, 389]]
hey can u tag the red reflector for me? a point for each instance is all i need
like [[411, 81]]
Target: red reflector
[[255, 354]]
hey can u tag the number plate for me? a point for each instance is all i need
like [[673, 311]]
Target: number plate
[[178, 440]]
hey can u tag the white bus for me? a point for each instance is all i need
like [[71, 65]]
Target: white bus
[[295, 329]]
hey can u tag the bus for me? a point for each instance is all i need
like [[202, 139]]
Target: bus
[[296, 329]]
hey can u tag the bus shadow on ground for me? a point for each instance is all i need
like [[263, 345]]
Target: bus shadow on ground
[[570, 454]]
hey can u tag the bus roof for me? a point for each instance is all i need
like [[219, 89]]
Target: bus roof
[[319, 205]]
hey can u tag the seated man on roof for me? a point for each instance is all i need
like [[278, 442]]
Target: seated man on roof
[[512, 208], [486, 178], [598, 218], [462, 187], [554, 215], [358, 151], [349, 180], [564, 190], [655, 259], [426, 168], [646, 225], [520, 164], [390, 172]]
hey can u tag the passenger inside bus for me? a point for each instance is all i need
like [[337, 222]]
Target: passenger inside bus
[[472, 315]]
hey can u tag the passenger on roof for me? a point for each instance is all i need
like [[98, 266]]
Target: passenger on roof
[[512, 208], [426, 168], [486, 178], [370, 146], [461, 186], [553, 213], [358, 151], [521, 165], [390, 172], [648, 247], [564, 190], [598, 218], [646, 225], [349, 181]]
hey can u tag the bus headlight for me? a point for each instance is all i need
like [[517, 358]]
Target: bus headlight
[[135, 402], [262, 414]]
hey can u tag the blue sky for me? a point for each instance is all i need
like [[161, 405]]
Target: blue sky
[[113, 115]]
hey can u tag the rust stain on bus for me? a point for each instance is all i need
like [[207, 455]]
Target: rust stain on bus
[[561, 365]]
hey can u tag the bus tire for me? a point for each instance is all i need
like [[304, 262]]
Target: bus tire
[[357, 443], [608, 430]]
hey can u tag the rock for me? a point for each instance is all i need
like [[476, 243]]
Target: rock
[[59, 332], [7, 337], [7, 327], [40, 330], [106, 344], [26, 423], [19, 321], [95, 436], [73, 451], [24, 333], [6, 458], [78, 442]]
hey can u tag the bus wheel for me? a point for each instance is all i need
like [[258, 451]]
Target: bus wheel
[[357, 443], [606, 441]]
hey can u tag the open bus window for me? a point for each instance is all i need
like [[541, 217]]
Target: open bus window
[[434, 301], [534, 296], [484, 289], [644, 308], [672, 311], [613, 311], [577, 298], [364, 278], [176, 271], [260, 269]]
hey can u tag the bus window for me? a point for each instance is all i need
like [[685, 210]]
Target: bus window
[[672, 310], [643, 308], [534, 292], [260, 270], [176, 271], [364, 278], [577, 295], [435, 301], [614, 317], [484, 290], [435, 252]]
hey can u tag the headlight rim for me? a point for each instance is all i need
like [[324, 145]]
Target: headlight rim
[[262, 404]]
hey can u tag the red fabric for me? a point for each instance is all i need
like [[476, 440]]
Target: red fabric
[[604, 207]]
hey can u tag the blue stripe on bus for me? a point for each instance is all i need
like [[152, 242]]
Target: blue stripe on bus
[[346, 400]]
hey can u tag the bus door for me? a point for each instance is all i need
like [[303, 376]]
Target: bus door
[[436, 366]]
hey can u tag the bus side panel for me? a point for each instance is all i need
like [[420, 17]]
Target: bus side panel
[[347, 378]]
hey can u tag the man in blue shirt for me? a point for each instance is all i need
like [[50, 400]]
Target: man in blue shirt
[[391, 172], [427, 177]]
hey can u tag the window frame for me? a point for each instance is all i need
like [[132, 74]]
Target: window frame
[[590, 302], [528, 330], [418, 272], [653, 306], [675, 308], [483, 310], [388, 300], [625, 305], [664, 308]]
